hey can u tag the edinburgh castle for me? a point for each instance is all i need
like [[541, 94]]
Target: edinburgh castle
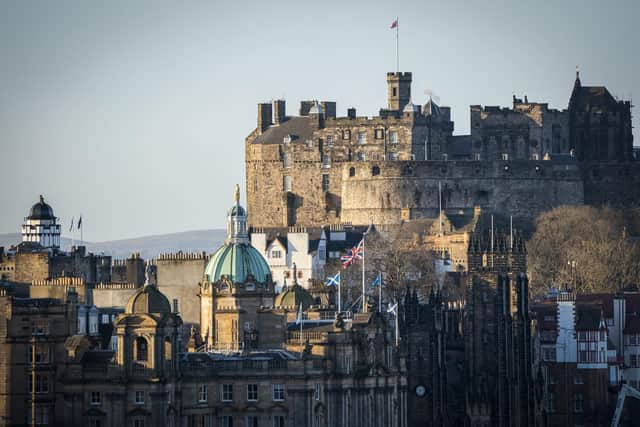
[[317, 168]]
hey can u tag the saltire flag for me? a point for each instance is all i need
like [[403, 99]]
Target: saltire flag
[[377, 281], [299, 316], [80, 222], [393, 308], [394, 24], [333, 280], [71, 226]]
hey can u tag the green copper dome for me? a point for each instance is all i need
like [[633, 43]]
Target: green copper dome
[[237, 261]]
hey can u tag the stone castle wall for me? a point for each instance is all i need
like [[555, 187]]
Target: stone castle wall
[[397, 191]]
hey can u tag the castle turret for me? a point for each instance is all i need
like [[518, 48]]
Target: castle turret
[[398, 90]]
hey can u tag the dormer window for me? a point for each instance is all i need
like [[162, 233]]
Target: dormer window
[[329, 141], [287, 139], [362, 138]]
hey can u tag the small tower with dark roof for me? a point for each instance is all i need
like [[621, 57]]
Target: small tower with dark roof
[[41, 226]]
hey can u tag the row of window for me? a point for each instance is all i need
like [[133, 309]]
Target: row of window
[[578, 402], [226, 392], [361, 137]]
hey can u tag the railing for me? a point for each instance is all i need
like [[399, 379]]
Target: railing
[[312, 336], [238, 367]]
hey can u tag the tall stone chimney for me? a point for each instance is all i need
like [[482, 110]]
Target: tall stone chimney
[[264, 117], [279, 111]]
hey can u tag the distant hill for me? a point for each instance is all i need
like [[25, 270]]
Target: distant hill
[[148, 246]]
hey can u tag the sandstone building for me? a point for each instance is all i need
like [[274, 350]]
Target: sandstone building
[[317, 168]]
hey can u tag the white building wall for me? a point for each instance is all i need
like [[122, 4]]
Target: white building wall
[[566, 344]]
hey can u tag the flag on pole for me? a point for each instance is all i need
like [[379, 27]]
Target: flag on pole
[[394, 24], [71, 225], [80, 222], [333, 280], [377, 281], [299, 316], [393, 308]]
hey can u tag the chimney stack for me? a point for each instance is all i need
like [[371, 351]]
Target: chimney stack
[[264, 117], [279, 111], [351, 113]]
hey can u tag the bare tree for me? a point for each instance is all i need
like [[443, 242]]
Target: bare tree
[[584, 247]]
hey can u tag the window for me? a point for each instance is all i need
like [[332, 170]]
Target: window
[[632, 340], [309, 143], [278, 392], [394, 91], [39, 327], [362, 138], [202, 393], [551, 402], [633, 360], [325, 182], [549, 355], [276, 254], [96, 398], [286, 160], [329, 141], [477, 156], [227, 392], [286, 183], [168, 354], [326, 160], [42, 354], [360, 157], [578, 379], [105, 319], [505, 156], [393, 137], [251, 421], [578, 404], [375, 171], [42, 383], [138, 422], [316, 393], [278, 421], [226, 421], [42, 415], [379, 134], [252, 392], [139, 397], [255, 183], [141, 349], [393, 156], [352, 171]]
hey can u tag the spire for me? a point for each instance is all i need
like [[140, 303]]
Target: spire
[[236, 196], [577, 82]]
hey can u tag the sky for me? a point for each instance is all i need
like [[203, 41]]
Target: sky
[[134, 114]]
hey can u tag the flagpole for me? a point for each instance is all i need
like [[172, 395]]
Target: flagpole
[[397, 43], [339, 292], [364, 305], [440, 205], [380, 294]]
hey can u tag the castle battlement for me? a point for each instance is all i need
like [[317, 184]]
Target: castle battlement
[[59, 281]]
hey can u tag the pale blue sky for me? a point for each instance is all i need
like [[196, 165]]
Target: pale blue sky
[[134, 113]]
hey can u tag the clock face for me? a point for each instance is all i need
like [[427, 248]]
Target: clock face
[[421, 391]]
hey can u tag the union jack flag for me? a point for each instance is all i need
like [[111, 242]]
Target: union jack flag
[[352, 255]]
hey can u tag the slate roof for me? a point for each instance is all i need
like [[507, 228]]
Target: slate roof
[[298, 127], [459, 147], [588, 317]]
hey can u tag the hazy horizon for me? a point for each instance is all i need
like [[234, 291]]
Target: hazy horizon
[[134, 114]]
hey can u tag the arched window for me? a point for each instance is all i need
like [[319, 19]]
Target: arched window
[[142, 351], [167, 348]]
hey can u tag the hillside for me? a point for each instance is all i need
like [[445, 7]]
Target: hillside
[[148, 246]]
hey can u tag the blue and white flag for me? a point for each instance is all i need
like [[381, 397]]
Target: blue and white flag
[[393, 308], [71, 226], [377, 281], [333, 280], [299, 316]]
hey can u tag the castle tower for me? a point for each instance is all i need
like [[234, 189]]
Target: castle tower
[[41, 226], [398, 90], [237, 285]]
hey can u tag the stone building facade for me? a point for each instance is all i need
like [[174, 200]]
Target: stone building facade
[[317, 168]]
